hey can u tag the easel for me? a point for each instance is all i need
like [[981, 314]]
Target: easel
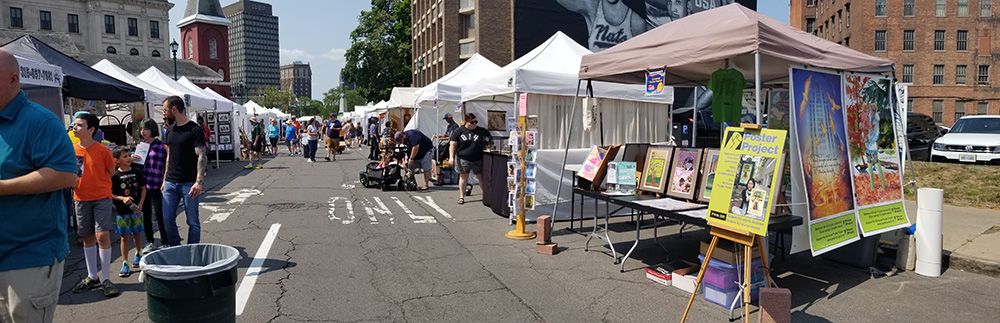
[[747, 241]]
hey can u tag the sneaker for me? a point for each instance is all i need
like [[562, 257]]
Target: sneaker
[[135, 263], [150, 247], [248, 166], [86, 284], [125, 271], [327, 158], [309, 160], [260, 167], [109, 289]]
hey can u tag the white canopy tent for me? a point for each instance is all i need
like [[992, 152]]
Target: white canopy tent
[[402, 97], [221, 105], [42, 83], [154, 95], [254, 109], [446, 94], [195, 102]]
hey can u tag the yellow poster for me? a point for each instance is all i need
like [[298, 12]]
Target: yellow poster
[[746, 180]]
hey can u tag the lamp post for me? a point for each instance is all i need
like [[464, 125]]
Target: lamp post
[[173, 50]]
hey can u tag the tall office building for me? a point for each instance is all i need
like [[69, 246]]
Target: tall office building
[[447, 32], [297, 78], [943, 48], [253, 48]]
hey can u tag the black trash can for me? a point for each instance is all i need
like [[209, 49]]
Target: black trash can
[[191, 283]]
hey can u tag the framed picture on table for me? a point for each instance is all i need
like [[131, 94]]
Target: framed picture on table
[[223, 117], [708, 164], [655, 169], [684, 173]]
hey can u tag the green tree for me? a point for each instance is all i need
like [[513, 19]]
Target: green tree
[[379, 57], [275, 98], [309, 107], [352, 98]]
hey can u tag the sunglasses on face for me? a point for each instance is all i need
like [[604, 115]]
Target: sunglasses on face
[[473, 121]]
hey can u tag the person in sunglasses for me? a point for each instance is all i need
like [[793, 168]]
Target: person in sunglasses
[[467, 143]]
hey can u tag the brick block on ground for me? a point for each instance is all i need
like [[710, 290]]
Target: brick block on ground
[[547, 249], [775, 305]]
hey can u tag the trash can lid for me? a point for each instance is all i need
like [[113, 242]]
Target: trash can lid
[[189, 261]]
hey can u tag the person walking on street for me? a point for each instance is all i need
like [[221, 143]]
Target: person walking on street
[[153, 171], [419, 156], [468, 143], [312, 139], [186, 165], [272, 136], [256, 145], [38, 165], [128, 189], [452, 126], [291, 137], [373, 152], [346, 133], [332, 128], [94, 210]]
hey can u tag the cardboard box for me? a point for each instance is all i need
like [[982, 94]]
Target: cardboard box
[[684, 278], [727, 252], [655, 274]]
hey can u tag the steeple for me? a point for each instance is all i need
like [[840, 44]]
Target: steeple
[[206, 11]]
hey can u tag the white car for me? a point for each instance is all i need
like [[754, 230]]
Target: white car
[[971, 139]]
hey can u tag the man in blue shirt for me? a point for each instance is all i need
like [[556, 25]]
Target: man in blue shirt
[[418, 156], [37, 162]]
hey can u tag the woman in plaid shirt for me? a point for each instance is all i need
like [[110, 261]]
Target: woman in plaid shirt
[[153, 171]]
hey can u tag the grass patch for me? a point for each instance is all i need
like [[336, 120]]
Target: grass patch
[[963, 184]]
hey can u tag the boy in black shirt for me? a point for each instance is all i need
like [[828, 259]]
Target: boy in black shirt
[[468, 143], [128, 189]]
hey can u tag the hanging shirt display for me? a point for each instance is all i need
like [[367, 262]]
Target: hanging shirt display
[[727, 95]]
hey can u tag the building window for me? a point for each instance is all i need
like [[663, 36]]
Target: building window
[[960, 72], [908, 73], [133, 27], [213, 49], [983, 108], [939, 40], [939, 8], [154, 29], [109, 24], [959, 109], [190, 48], [938, 74], [45, 20], [810, 3], [847, 41], [73, 23], [880, 10], [983, 77], [907, 40], [985, 8], [112, 50], [840, 21], [938, 111], [133, 52], [962, 40], [963, 8], [468, 26], [908, 8], [810, 22], [16, 18], [847, 8], [155, 53], [880, 40]]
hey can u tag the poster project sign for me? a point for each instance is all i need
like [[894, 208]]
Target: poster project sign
[[746, 176], [875, 160], [818, 122]]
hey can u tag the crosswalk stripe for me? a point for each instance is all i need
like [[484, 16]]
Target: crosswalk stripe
[[430, 202], [416, 218]]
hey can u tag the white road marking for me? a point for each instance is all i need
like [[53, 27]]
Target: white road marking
[[350, 212], [221, 212], [430, 202], [250, 278], [371, 215], [384, 210], [347, 186], [416, 218], [333, 206]]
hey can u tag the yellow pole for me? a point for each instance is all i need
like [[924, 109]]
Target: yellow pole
[[519, 232]]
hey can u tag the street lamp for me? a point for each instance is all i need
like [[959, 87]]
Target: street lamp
[[173, 49], [420, 71]]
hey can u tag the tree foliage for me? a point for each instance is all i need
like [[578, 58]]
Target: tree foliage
[[352, 98], [275, 98], [379, 57]]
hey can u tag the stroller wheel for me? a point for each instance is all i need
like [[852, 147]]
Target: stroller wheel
[[364, 180]]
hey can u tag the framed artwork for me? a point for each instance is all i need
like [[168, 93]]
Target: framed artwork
[[684, 173], [225, 139], [655, 169], [224, 128], [596, 164], [497, 120], [708, 165], [635, 153], [223, 117], [210, 117]]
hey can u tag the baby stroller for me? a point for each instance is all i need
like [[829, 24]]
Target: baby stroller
[[389, 172]]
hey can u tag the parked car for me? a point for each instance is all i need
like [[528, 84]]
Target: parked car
[[972, 139], [921, 132]]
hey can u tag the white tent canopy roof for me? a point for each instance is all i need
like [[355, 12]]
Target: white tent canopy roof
[[194, 101], [403, 97], [154, 95], [449, 87], [380, 107], [227, 104], [220, 105], [40, 74], [551, 68], [256, 109]]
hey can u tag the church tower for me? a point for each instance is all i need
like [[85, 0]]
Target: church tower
[[205, 39]]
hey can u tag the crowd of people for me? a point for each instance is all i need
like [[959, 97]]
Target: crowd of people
[[301, 138]]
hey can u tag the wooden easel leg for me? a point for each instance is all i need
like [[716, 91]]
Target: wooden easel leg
[[747, 258], [701, 274], [764, 261]]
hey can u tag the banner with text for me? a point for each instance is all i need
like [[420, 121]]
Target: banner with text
[[746, 179]]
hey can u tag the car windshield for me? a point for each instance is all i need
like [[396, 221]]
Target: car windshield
[[977, 125]]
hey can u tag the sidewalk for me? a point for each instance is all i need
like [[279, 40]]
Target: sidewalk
[[971, 237]]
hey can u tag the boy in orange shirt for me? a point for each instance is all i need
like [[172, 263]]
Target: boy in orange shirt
[[94, 209]]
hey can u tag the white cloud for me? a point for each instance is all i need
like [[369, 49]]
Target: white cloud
[[294, 54], [335, 54]]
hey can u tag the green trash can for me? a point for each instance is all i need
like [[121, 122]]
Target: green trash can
[[191, 283]]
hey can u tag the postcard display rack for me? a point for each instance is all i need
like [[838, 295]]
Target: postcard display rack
[[522, 171]]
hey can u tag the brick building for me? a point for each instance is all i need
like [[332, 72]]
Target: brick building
[[447, 32], [297, 78], [943, 48], [205, 39]]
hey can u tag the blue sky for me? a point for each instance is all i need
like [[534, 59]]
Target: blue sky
[[319, 31]]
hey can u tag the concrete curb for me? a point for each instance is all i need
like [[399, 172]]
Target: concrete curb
[[974, 265]]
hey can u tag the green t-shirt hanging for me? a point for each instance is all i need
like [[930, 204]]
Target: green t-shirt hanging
[[727, 95]]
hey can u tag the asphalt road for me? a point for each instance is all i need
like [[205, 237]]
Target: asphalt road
[[346, 253]]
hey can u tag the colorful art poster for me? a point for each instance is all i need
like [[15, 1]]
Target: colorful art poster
[[777, 109], [747, 175], [684, 173], [592, 163], [875, 161], [902, 109], [522, 104], [626, 174], [709, 164], [818, 123], [749, 112], [654, 82], [531, 138], [654, 176]]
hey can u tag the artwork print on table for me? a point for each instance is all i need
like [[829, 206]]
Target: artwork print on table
[[592, 163], [709, 163], [686, 163], [654, 175]]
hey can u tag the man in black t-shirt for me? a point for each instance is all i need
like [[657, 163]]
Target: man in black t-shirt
[[468, 143], [185, 170]]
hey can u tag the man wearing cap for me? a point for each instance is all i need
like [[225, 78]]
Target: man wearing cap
[[419, 155], [468, 143], [452, 126]]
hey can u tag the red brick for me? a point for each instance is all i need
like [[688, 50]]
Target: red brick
[[775, 305], [547, 249]]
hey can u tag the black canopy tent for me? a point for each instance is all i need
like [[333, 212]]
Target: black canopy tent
[[79, 81]]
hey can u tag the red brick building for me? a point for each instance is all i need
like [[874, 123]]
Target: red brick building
[[943, 48], [447, 32]]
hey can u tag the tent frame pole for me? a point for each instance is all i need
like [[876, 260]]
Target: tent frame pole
[[218, 145], [562, 170], [756, 79], [694, 122]]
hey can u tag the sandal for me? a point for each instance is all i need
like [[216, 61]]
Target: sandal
[[425, 189], [461, 201]]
